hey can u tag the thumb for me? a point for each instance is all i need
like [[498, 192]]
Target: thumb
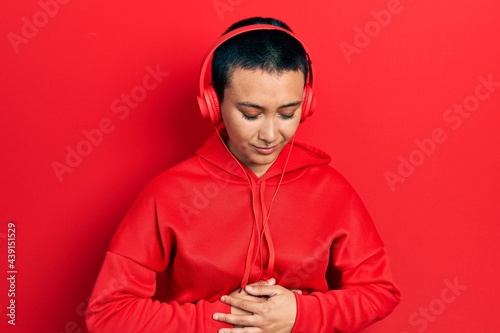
[[262, 288], [269, 282]]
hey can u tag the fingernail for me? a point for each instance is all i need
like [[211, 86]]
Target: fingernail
[[223, 298], [216, 316]]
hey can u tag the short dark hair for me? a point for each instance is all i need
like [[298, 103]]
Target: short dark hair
[[268, 50]]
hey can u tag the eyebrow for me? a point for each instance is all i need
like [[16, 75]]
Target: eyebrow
[[260, 107]]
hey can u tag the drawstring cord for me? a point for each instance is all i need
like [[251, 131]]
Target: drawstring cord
[[266, 232], [251, 246]]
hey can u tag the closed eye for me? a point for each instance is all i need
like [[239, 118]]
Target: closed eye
[[283, 113], [247, 117], [287, 117]]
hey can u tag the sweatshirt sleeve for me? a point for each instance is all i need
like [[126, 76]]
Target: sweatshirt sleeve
[[121, 302], [366, 295], [360, 281]]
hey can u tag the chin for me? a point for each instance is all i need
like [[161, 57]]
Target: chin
[[265, 160]]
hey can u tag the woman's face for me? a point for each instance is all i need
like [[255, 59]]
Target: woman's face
[[261, 112]]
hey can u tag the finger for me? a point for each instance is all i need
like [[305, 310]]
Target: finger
[[240, 330], [242, 293], [236, 320], [247, 305], [263, 290], [271, 281], [298, 291]]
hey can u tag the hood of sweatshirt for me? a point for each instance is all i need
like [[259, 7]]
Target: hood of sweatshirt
[[294, 158]]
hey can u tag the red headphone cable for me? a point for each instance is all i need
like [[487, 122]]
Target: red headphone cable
[[265, 229]]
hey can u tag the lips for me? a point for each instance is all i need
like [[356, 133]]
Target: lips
[[266, 150]]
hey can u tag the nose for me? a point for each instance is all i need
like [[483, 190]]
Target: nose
[[268, 130]]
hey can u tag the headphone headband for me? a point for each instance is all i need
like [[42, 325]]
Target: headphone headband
[[239, 31], [207, 99]]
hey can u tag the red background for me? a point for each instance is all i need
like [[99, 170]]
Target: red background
[[62, 78]]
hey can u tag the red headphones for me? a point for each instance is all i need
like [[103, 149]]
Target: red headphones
[[208, 101]]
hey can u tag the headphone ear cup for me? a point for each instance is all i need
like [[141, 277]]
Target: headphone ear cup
[[209, 105], [308, 103]]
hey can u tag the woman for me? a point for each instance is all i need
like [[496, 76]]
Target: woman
[[256, 233]]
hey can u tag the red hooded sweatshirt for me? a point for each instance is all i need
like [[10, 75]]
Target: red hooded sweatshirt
[[212, 226]]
